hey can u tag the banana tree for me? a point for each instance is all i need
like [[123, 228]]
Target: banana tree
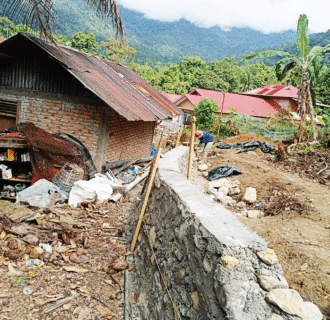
[[302, 63], [40, 14]]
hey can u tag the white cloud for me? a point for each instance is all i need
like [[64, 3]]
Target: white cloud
[[263, 15]]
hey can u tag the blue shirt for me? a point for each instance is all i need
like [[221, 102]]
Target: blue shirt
[[205, 138]]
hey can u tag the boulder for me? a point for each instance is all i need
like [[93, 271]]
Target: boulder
[[31, 239], [224, 190], [219, 183], [205, 174], [203, 167], [219, 195], [250, 195], [213, 191], [255, 214], [227, 200], [311, 311], [269, 283], [241, 204], [234, 190], [287, 300], [268, 256], [275, 316]]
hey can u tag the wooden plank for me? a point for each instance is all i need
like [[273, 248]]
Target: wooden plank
[[146, 198], [179, 136], [192, 146]]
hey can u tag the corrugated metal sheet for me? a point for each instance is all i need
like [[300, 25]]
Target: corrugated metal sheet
[[275, 90], [113, 83]]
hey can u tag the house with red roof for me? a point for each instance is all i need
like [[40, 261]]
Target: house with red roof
[[243, 104]]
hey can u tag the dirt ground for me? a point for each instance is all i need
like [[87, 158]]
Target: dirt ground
[[298, 225], [90, 265]]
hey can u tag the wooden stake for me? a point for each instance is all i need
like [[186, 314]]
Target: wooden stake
[[179, 136], [192, 146], [146, 198]]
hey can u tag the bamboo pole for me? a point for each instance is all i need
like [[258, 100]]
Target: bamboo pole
[[179, 136], [146, 198], [223, 102], [192, 146]]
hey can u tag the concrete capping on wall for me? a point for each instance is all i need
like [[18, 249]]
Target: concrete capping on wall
[[196, 260]]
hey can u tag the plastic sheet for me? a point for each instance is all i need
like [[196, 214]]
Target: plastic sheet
[[222, 172], [249, 146]]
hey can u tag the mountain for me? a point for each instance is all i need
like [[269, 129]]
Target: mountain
[[166, 41], [171, 41]]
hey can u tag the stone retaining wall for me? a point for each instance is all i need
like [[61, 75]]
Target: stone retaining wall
[[196, 260]]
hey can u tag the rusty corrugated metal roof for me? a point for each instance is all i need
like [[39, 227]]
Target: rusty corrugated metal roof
[[118, 86]]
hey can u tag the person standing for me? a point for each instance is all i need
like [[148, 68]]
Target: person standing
[[204, 138]]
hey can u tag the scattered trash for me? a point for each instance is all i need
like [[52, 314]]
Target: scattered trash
[[126, 177], [153, 151], [40, 194], [27, 291], [97, 190], [221, 172], [249, 146], [47, 247], [30, 262]]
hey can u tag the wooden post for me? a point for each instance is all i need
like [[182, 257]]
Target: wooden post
[[179, 136], [192, 147], [146, 198], [223, 102]]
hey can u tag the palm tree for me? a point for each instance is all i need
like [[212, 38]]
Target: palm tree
[[303, 63], [40, 14]]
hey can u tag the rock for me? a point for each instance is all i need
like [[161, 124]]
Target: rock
[[226, 199], [219, 195], [205, 174], [202, 167], [152, 236], [268, 256], [224, 190], [270, 283], [212, 191], [255, 214], [119, 264], [36, 252], [287, 300], [241, 204], [275, 316], [250, 195], [81, 251], [219, 183], [234, 190], [31, 239], [311, 312], [229, 262], [232, 297], [195, 300]]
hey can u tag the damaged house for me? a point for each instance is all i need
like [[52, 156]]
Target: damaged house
[[105, 105]]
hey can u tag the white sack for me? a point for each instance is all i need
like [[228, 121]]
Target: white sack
[[97, 190]]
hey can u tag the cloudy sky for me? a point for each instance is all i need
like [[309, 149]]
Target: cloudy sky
[[263, 15]]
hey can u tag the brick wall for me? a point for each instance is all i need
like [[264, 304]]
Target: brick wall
[[81, 121], [129, 139]]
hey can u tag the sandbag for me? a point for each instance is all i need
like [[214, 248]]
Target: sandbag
[[40, 194], [221, 172], [97, 190]]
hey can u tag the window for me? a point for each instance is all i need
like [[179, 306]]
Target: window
[[8, 113]]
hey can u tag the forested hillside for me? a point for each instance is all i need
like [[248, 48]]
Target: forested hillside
[[166, 41]]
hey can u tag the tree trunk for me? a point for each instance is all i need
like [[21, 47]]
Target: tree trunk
[[310, 111], [302, 106]]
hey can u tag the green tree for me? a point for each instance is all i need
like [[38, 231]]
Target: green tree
[[39, 15], [84, 42], [118, 51], [7, 28], [302, 63], [205, 113], [255, 76]]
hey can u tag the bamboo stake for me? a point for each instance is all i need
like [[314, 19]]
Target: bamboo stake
[[223, 102], [192, 146], [179, 136], [146, 198]]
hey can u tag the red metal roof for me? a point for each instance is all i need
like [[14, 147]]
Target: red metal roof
[[275, 90], [171, 96], [244, 104], [2, 40], [118, 86]]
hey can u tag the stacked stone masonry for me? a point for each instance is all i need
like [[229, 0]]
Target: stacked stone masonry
[[108, 136], [195, 260]]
